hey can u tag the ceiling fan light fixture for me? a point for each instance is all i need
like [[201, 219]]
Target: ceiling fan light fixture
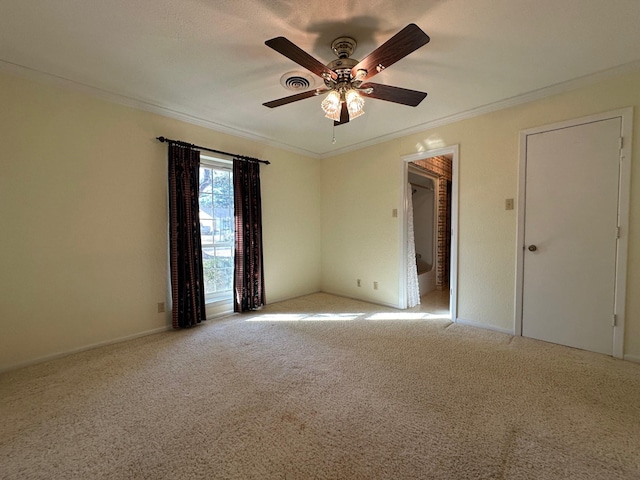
[[355, 103], [344, 77], [331, 105]]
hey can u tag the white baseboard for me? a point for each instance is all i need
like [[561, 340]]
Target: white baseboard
[[53, 356], [471, 323], [632, 358], [373, 301], [462, 321]]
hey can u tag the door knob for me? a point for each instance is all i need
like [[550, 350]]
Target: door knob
[[532, 248]]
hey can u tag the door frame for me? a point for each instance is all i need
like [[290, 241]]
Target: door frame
[[624, 189], [453, 260]]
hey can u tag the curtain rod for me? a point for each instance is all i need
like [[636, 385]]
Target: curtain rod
[[191, 145]]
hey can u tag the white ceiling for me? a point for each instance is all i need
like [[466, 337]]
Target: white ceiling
[[205, 60]]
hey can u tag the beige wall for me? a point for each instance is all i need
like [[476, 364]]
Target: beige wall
[[360, 237], [83, 215], [359, 190]]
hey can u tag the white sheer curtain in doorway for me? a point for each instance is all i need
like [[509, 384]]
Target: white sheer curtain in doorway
[[413, 289]]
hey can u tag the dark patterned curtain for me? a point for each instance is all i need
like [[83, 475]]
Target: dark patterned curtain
[[248, 281], [187, 279]]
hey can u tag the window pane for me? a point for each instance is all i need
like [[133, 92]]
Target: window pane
[[217, 229], [206, 206], [224, 281]]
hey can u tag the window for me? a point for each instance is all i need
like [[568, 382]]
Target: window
[[217, 227]]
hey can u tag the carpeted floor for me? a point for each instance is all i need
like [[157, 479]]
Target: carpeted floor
[[322, 387]]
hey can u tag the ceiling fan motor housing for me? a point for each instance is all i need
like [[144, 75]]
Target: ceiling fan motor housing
[[343, 47], [342, 67]]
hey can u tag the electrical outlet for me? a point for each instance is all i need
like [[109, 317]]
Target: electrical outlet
[[160, 307], [394, 213], [375, 285], [508, 204], [359, 282]]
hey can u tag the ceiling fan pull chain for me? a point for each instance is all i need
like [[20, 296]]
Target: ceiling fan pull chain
[[334, 134]]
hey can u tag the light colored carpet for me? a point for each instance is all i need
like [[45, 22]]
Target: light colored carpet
[[323, 387]]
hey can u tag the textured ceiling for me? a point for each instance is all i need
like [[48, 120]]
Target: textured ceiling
[[205, 60]]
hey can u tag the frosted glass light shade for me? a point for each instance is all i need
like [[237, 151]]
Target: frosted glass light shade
[[331, 105], [355, 103]]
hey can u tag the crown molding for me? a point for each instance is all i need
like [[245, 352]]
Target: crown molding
[[111, 97], [59, 81], [539, 94]]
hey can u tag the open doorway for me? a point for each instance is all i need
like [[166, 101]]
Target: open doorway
[[431, 216], [430, 197]]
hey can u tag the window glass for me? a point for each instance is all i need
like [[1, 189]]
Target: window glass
[[217, 227]]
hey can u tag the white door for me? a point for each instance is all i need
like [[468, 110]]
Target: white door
[[570, 234]]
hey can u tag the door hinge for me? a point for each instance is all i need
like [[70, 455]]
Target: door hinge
[[614, 320], [617, 232], [621, 142]]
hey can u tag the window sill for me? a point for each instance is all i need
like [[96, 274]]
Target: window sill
[[218, 307], [217, 298]]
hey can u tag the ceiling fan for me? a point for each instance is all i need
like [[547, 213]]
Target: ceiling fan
[[345, 79]]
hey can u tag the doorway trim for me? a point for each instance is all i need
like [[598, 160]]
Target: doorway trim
[[624, 189], [453, 262]]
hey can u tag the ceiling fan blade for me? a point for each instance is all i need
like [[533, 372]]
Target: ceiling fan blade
[[344, 115], [295, 98], [392, 94], [404, 42], [295, 53]]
